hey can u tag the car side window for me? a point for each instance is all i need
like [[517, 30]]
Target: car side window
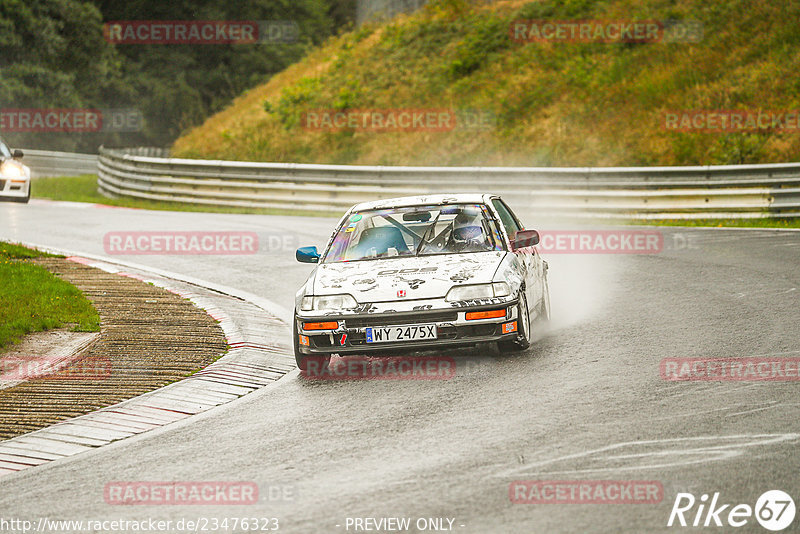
[[509, 222]]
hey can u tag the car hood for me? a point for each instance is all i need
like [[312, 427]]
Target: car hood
[[407, 278]]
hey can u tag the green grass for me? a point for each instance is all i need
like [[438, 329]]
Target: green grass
[[74, 188], [32, 299], [10, 251], [84, 189]]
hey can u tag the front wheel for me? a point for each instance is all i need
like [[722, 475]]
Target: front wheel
[[544, 307], [22, 200], [523, 340], [313, 363]]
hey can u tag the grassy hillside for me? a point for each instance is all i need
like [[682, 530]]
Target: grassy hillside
[[554, 103]]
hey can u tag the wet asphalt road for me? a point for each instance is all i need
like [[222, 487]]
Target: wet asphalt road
[[586, 402]]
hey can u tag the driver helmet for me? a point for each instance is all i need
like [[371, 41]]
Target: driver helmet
[[465, 218]]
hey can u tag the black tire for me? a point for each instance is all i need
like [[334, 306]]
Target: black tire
[[315, 363], [523, 340], [23, 200], [544, 305]]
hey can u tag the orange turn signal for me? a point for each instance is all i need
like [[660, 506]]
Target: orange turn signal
[[304, 341], [330, 325], [493, 314]]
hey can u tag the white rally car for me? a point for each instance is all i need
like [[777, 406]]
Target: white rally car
[[15, 178], [418, 273]]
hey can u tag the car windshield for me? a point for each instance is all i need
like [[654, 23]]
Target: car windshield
[[415, 231], [5, 152]]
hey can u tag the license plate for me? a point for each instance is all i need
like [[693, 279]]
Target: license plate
[[409, 332]]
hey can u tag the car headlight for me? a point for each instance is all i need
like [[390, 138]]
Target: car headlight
[[328, 302], [9, 169], [478, 291]]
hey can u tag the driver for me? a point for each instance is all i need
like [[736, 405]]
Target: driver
[[467, 234]]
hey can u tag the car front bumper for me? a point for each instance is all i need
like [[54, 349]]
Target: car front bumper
[[452, 329], [14, 189]]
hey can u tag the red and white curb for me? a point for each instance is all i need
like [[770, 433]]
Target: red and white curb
[[257, 356]]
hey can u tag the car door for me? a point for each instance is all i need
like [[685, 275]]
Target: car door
[[528, 256]]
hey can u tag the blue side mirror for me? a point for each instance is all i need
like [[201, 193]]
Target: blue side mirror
[[307, 255]]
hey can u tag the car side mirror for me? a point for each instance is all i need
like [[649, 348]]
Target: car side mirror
[[17, 154], [307, 255], [524, 239]]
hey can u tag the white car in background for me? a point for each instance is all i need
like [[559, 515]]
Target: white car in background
[[15, 178], [421, 273]]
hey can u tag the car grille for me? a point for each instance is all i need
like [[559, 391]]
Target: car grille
[[402, 318]]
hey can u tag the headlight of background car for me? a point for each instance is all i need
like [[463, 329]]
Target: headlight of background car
[[478, 291], [12, 170], [328, 302]]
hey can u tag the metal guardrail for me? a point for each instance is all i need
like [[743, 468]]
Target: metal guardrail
[[736, 191], [48, 163]]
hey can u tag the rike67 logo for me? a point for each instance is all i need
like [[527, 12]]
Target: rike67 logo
[[774, 510]]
